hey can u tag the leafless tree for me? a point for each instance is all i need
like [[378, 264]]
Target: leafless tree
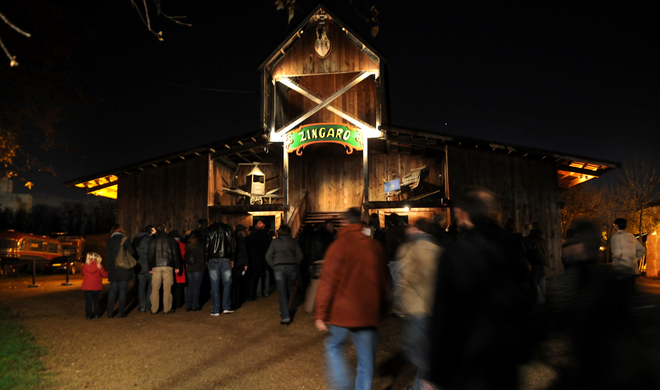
[[639, 189]]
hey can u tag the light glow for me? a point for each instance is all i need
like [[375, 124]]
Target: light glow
[[107, 192]]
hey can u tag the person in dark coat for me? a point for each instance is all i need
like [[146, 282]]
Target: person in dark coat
[[257, 243], [284, 256], [538, 258], [118, 277], [141, 244], [323, 237], [479, 305], [163, 258], [195, 266], [240, 268]]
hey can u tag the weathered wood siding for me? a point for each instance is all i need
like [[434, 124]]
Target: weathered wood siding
[[528, 191], [345, 56], [221, 176], [383, 166], [174, 195], [333, 179], [413, 215]]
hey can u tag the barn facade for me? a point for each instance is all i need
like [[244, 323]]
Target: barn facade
[[326, 143]]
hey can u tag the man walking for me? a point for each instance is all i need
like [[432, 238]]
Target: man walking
[[350, 302], [219, 249], [626, 252], [163, 257]]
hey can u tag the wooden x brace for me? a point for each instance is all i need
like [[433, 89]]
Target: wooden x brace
[[324, 103]]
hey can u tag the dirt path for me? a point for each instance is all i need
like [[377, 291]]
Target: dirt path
[[245, 350], [192, 350]]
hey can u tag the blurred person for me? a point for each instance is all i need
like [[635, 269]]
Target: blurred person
[[220, 252], [141, 244], [602, 319], [418, 265], [163, 258], [240, 268], [519, 244], [179, 276], [118, 277], [537, 255], [305, 241], [257, 243], [195, 260], [478, 310], [324, 236], [439, 231], [626, 252], [284, 256], [377, 232], [93, 274], [350, 301], [395, 235]]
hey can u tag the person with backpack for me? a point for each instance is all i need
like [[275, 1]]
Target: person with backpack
[[284, 256], [118, 277]]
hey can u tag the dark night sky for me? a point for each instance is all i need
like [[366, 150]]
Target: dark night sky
[[574, 77]]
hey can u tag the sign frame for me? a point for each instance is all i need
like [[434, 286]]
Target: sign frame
[[297, 140]]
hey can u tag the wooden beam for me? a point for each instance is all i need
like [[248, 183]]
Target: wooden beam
[[365, 171], [285, 181], [306, 93], [356, 80], [578, 170]]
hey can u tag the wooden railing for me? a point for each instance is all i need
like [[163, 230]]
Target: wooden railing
[[299, 214]]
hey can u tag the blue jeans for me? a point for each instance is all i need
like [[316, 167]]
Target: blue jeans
[[285, 277], [122, 289], [364, 340], [264, 282], [220, 268], [415, 345], [194, 286], [144, 291]]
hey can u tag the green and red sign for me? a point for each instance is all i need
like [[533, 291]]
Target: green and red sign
[[351, 138]]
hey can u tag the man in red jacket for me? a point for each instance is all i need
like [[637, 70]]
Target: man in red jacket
[[350, 301]]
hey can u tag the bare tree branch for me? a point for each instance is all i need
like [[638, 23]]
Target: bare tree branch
[[172, 18], [4, 18], [12, 60], [146, 21], [146, 14]]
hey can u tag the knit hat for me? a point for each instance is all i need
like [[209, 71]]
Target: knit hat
[[260, 225]]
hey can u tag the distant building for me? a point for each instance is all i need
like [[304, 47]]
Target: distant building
[[11, 201]]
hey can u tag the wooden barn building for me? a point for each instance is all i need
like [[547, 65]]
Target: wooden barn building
[[327, 144]]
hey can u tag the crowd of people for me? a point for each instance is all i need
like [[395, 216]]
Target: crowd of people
[[464, 291]]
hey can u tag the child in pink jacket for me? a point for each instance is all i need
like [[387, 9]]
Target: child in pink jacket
[[93, 274]]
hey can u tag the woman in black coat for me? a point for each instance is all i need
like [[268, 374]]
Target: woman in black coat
[[118, 277]]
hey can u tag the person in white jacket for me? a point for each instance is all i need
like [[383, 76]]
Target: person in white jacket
[[626, 250]]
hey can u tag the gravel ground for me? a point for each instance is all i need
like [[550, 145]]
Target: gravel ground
[[192, 350]]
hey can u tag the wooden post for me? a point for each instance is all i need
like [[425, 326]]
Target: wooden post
[[365, 171], [285, 181]]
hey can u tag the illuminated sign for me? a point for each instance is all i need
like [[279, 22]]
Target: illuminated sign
[[297, 140]]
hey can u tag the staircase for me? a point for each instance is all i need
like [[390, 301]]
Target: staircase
[[319, 217]]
